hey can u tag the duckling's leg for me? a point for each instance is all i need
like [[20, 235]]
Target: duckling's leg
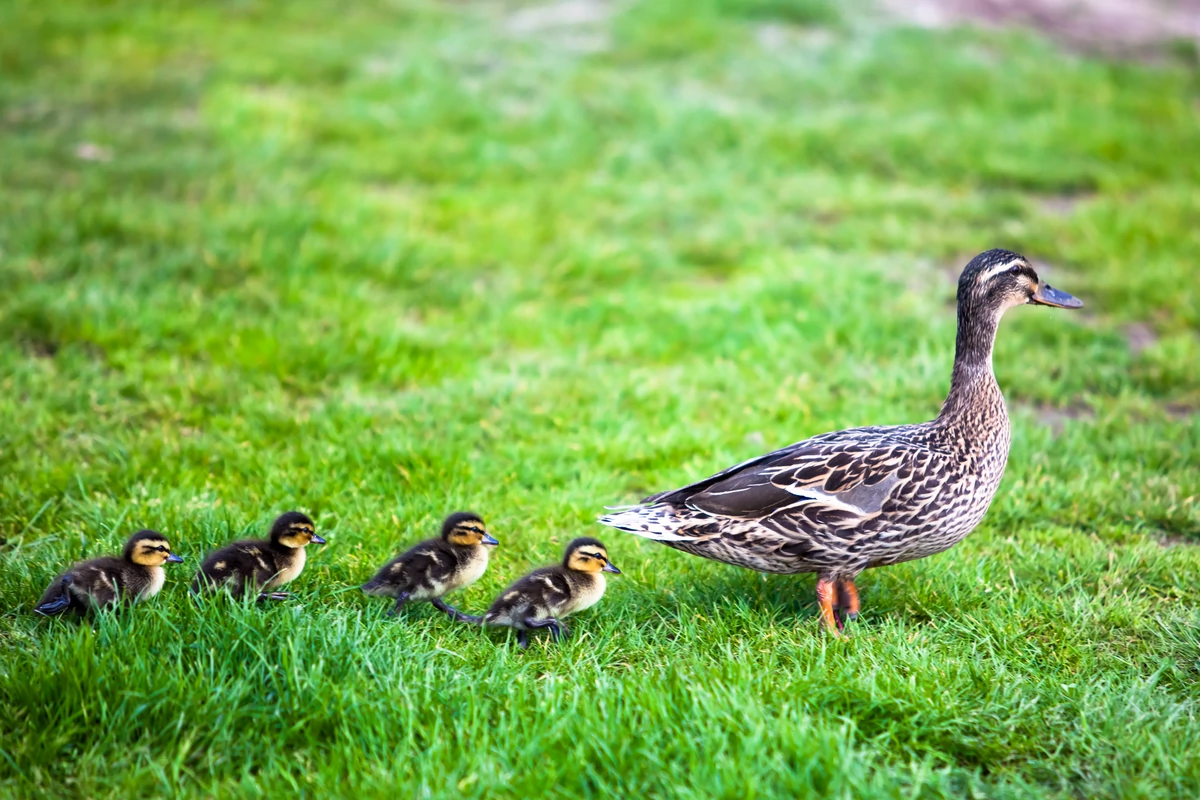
[[523, 638], [826, 592], [847, 602], [557, 629], [454, 613], [401, 599], [273, 596]]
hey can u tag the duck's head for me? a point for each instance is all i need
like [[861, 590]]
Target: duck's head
[[588, 555], [295, 530], [997, 280], [149, 549], [466, 530]]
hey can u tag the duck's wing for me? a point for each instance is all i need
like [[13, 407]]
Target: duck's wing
[[100, 580], [834, 481]]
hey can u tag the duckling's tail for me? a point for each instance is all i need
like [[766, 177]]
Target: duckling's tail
[[663, 522]]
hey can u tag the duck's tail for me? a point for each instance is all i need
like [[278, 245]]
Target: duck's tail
[[663, 522]]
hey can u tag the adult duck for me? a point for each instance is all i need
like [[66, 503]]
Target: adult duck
[[843, 502]]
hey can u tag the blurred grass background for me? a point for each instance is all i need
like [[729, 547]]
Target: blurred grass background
[[384, 260]]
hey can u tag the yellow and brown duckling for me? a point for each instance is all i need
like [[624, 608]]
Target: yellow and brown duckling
[[137, 575], [545, 596], [260, 565], [436, 567]]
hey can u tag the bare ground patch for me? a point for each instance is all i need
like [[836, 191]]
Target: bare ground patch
[[1056, 418], [1115, 27], [1140, 337]]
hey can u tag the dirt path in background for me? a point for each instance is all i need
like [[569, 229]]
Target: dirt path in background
[[1119, 27]]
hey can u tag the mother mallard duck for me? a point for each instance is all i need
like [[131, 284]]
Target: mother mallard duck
[[843, 502]]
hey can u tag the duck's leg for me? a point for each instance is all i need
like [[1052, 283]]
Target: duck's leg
[[847, 602], [273, 596], [523, 638], [401, 599], [557, 629], [826, 595], [454, 613]]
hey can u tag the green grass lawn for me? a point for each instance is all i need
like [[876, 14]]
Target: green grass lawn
[[384, 260]]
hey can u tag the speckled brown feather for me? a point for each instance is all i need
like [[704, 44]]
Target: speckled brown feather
[[843, 502]]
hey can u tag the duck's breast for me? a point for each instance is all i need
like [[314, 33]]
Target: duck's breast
[[586, 594], [291, 570], [157, 577]]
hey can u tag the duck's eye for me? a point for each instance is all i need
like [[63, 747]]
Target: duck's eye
[[161, 549], [1015, 269]]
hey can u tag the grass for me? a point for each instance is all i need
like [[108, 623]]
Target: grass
[[384, 260]]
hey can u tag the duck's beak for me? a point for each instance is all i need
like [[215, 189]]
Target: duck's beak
[[174, 559], [1047, 295], [489, 539], [317, 539], [610, 567]]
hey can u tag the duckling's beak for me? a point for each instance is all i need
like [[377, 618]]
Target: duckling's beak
[[174, 559], [1047, 295], [317, 539], [489, 539], [610, 567]]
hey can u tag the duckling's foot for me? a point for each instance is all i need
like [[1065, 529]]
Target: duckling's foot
[[455, 614], [826, 592], [523, 638], [59, 604], [847, 603], [401, 599], [273, 596]]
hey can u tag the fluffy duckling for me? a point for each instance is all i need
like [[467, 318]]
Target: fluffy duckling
[[544, 596], [436, 567], [255, 565], [137, 575]]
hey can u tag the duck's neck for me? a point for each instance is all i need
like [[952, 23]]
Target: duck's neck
[[973, 387]]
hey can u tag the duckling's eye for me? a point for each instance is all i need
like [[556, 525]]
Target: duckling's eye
[[161, 549], [1015, 269]]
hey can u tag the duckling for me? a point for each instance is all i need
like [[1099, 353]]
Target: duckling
[[137, 575], [436, 567], [255, 565], [544, 596]]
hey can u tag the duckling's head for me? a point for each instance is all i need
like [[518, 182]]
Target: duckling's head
[[295, 530], [149, 549], [586, 554], [997, 280], [466, 530]]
